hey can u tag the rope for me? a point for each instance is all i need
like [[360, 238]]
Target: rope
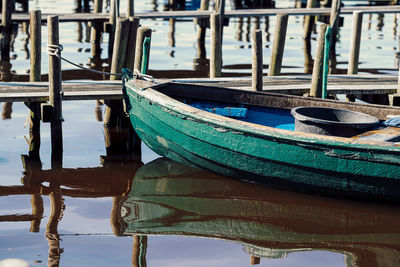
[[55, 50]]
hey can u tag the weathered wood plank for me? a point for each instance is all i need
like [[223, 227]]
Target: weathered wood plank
[[20, 17]]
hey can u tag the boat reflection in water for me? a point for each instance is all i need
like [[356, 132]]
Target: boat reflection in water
[[168, 198]]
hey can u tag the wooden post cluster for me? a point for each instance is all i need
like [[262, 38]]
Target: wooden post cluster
[[119, 134], [355, 43], [279, 45], [216, 50], [316, 83], [257, 61]]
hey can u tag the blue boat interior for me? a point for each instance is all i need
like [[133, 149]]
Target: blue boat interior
[[272, 117]]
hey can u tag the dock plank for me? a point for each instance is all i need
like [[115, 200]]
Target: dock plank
[[103, 17], [93, 90]]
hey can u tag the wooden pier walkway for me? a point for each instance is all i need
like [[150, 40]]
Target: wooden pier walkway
[[103, 17], [94, 90]]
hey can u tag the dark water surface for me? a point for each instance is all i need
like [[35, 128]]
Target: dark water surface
[[100, 211]]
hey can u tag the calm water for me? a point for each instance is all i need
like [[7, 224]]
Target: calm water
[[97, 206]]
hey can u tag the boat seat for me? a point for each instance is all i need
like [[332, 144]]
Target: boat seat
[[383, 134]]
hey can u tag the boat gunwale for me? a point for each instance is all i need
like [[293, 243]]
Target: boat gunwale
[[150, 92]]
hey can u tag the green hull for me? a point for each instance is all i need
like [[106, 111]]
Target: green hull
[[168, 198], [261, 154]]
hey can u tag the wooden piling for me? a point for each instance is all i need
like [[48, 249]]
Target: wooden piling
[[257, 61], [279, 45], [316, 83], [216, 51], [7, 8], [130, 8], [309, 21], [201, 33], [142, 33], [355, 43], [55, 91], [98, 6], [120, 46], [131, 45], [35, 45]]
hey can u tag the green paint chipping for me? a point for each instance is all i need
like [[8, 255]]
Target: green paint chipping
[[328, 39]]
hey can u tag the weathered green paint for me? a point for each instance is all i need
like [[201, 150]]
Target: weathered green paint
[[287, 159], [168, 198]]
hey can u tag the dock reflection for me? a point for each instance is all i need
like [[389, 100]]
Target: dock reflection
[[170, 199], [112, 179]]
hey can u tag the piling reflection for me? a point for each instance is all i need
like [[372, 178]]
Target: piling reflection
[[170, 199], [113, 179]]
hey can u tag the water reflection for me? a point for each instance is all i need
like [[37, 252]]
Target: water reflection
[[171, 199], [113, 179]]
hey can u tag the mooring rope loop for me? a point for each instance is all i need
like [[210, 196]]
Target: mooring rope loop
[[55, 50], [139, 75]]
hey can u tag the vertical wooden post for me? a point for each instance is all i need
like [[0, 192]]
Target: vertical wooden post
[[316, 83], [355, 43], [130, 8], [257, 23], [35, 45], [114, 107], [309, 21], [171, 32], [55, 90], [95, 38], [142, 33], [7, 7], [201, 34], [279, 45], [131, 46], [35, 76], [216, 51], [98, 6], [257, 62], [120, 45], [335, 11]]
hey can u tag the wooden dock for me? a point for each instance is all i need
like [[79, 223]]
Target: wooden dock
[[104, 17], [110, 90]]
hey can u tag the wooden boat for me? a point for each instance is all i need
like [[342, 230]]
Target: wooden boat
[[168, 198], [257, 147]]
